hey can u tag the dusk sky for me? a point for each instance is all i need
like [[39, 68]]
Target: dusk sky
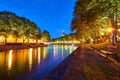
[[51, 15]]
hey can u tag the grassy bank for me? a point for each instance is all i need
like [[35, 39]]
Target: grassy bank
[[104, 46], [101, 68]]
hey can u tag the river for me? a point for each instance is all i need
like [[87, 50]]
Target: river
[[32, 63]]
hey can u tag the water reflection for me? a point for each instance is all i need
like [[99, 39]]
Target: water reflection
[[66, 47], [32, 63], [62, 51], [44, 53], [30, 59], [10, 60], [55, 48], [39, 55]]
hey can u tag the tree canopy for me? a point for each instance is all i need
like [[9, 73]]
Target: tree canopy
[[19, 27], [90, 17], [45, 36]]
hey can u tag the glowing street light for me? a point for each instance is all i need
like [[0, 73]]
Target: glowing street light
[[110, 30]]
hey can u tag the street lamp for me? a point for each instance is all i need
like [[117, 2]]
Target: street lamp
[[113, 35], [110, 30]]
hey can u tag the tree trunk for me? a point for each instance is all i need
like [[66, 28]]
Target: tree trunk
[[91, 40]]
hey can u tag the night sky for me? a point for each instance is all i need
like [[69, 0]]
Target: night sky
[[51, 15]]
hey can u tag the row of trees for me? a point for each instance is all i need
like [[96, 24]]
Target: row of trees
[[66, 38], [20, 27], [92, 18]]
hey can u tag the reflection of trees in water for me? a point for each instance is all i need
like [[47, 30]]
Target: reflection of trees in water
[[20, 62], [39, 55], [45, 53]]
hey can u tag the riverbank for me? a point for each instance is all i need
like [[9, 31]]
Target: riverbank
[[19, 46], [85, 64]]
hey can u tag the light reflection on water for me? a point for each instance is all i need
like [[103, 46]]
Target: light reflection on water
[[39, 55], [10, 60], [30, 59], [32, 63]]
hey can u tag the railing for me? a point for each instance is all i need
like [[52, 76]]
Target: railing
[[61, 43]]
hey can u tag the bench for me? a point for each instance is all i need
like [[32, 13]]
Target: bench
[[112, 50], [107, 53]]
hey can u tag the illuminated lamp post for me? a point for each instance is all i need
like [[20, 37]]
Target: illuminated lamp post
[[110, 30], [113, 37], [114, 26], [114, 9]]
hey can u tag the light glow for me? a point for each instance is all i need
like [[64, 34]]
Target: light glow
[[39, 55], [30, 59], [10, 60], [55, 52], [110, 30]]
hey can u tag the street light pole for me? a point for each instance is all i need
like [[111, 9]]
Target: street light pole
[[114, 30], [114, 11]]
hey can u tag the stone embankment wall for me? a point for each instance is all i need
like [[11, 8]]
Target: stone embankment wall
[[16, 47]]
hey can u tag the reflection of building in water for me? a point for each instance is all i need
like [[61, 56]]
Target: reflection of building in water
[[55, 48], [30, 59], [10, 60], [39, 55], [62, 51]]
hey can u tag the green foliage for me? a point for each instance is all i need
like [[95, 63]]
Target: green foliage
[[19, 26], [88, 16], [45, 36], [70, 37]]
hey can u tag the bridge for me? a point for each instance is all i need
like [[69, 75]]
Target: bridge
[[62, 43]]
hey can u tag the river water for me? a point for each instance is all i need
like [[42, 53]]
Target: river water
[[32, 63]]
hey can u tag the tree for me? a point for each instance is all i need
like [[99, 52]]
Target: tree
[[45, 36], [18, 26], [88, 14]]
